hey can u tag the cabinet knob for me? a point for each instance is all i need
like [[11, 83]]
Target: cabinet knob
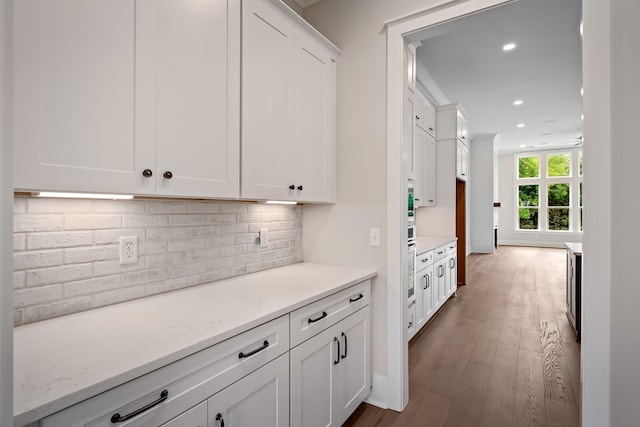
[[416, 199], [300, 187], [147, 173], [417, 117], [431, 201], [167, 175], [431, 129], [292, 187]]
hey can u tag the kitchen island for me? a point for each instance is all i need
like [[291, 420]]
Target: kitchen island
[[64, 361]]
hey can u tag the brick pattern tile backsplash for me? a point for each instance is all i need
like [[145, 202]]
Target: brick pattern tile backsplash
[[66, 251]]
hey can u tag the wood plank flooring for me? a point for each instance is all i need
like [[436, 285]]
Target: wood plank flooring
[[501, 354]]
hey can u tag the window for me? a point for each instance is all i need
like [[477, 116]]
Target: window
[[546, 185]]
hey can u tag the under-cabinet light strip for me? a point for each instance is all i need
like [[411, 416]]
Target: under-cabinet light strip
[[82, 195]]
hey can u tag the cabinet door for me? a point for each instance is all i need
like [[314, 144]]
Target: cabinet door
[[411, 320], [440, 283], [188, 106], [259, 399], [461, 161], [314, 111], [429, 172], [267, 66], [419, 301], [452, 271], [74, 95], [425, 283], [314, 380], [194, 417], [419, 150], [355, 361]]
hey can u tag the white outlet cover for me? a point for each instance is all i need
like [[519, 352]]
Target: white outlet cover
[[128, 249]]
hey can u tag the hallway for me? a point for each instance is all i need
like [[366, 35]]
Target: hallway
[[501, 354]]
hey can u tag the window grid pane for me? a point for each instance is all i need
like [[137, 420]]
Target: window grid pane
[[529, 167], [528, 195], [528, 219], [559, 165]]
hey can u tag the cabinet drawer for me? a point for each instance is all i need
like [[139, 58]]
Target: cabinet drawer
[[188, 381], [424, 260], [313, 318], [452, 248], [439, 253]]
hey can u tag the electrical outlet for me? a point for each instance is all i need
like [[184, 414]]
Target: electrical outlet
[[264, 238], [374, 237], [128, 249]]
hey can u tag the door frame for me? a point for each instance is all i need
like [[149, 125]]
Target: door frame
[[397, 389]]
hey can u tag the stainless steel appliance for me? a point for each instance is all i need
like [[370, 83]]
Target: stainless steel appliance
[[411, 212], [411, 271], [411, 242]]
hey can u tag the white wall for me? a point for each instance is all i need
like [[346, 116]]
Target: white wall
[[625, 233], [507, 233], [6, 226], [340, 233], [481, 193]]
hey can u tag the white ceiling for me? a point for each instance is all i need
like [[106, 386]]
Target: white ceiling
[[466, 60]]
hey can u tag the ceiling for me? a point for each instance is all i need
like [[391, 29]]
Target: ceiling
[[465, 59]]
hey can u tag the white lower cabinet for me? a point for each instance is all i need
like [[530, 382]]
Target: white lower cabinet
[[452, 269], [331, 372], [194, 417], [259, 399]]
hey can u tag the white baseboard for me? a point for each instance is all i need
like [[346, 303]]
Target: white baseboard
[[529, 243], [378, 396]]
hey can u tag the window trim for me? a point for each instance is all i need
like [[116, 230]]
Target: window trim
[[574, 180]]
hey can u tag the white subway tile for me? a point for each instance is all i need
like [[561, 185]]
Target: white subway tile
[[226, 218], [186, 244], [38, 259], [91, 254], [105, 268], [18, 317], [233, 207], [235, 228], [203, 207], [39, 295], [224, 240], [54, 240], [203, 255], [56, 309], [203, 231], [234, 250], [163, 207], [119, 206], [260, 266], [166, 233], [19, 242], [134, 221], [166, 260], [190, 219], [92, 222], [91, 286], [145, 276], [118, 295], [153, 247], [19, 205], [19, 279], [249, 217], [62, 274], [165, 286], [103, 237], [44, 205], [40, 222]]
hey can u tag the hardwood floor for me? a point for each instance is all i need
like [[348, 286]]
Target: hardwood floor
[[500, 354]]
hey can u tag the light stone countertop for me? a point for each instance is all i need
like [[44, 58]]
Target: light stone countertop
[[424, 244], [62, 361]]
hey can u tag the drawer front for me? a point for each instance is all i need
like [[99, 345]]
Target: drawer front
[[424, 260], [452, 248], [439, 253], [316, 317], [188, 381]]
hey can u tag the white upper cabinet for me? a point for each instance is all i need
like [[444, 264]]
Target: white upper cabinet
[[74, 95], [453, 123], [288, 107], [128, 96], [188, 88]]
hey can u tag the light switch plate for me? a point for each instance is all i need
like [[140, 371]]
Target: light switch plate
[[374, 237]]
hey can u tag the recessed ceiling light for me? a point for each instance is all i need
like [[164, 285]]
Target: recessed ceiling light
[[509, 46], [520, 125], [523, 145], [517, 102]]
